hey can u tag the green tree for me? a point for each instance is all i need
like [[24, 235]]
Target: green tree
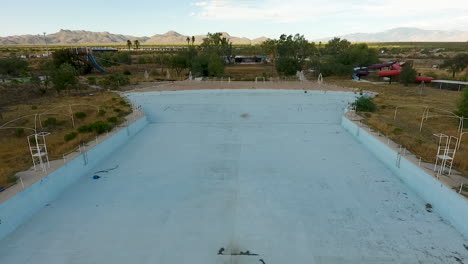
[[129, 44], [137, 43], [343, 57], [193, 40], [408, 74], [163, 61], [13, 66], [199, 65], [269, 47], [107, 59], [296, 47], [64, 77], [208, 65], [188, 40], [336, 46], [215, 65], [357, 55], [456, 64], [215, 43], [292, 52], [68, 56], [288, 66], [179, 62]]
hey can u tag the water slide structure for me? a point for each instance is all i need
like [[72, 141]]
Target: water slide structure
[[394, 69], [85, 55], [93, 62]]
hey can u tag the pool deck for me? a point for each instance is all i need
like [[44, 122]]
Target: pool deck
[[269, 172]]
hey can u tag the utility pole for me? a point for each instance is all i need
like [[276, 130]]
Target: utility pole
[[47, 47]]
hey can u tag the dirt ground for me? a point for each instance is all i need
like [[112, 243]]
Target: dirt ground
[[405, 127], [14, 150], [207, 85]]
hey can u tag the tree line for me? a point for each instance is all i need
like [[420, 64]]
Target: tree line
[[288, 54]]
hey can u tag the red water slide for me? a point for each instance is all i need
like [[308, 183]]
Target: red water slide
[[390, 73], [425, 79]]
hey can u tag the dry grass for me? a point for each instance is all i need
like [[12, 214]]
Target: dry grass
[[14, 149], [405, 128], [250, 71]]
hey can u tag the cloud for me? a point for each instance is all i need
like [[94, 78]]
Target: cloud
[[414, 12]]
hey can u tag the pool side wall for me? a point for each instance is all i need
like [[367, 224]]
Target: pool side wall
[[446, 202], [18, 209]]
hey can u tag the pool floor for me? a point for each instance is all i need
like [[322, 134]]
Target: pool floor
[[263, 173]]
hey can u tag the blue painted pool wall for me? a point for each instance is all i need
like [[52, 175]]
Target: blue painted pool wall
[[18, 209], [446, 202]]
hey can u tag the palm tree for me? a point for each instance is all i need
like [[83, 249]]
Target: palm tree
[[193, 40], [188, 40], [137, 44], [129, 44]]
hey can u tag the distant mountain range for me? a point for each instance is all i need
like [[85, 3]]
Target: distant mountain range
[[77, 37], [406, 34], [88, 37]]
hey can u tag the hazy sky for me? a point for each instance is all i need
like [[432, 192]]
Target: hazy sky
[[249, 18]]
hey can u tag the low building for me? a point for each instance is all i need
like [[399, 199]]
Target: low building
[[249, 59]]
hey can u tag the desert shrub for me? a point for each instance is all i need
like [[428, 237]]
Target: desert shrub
[[19, 132], [463, 106], [117, 110], [123, 102], [33, 107], [113, 119], [408, 74], [101, 112], [92, 80], [52, 121], [123, 113], [431, 74], [397, 130], [100, 127], [13, 66], [127, 72], [12, 178], [64, 77], [115, 80], [332, 68], [80, 115], [70, 136], [85, 129], [365, 104]]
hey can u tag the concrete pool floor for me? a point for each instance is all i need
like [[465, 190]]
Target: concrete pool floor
[[273, 173]]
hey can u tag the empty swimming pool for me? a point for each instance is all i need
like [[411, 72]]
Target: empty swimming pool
[[238, 177]]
